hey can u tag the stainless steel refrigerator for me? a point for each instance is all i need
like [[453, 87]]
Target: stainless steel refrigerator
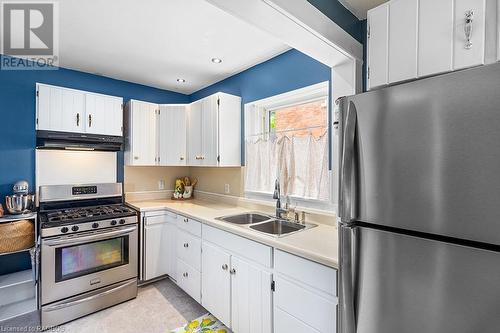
[[420, 206]]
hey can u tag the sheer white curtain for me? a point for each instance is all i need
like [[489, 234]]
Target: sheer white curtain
[[301, 164]]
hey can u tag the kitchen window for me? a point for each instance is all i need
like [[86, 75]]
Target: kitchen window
[[286, 138]]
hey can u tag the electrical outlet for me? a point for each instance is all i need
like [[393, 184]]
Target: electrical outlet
[[227, 189], [161, 184]]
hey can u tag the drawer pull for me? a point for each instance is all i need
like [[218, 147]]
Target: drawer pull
[[232, 271], [186, 220], [186, 245], [185, 274], [224, 267]]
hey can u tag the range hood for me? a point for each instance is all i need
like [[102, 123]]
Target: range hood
[[78, 141]]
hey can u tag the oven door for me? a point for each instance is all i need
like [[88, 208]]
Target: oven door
[[77, 263]]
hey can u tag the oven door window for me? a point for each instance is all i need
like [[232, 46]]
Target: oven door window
[[82, 259]]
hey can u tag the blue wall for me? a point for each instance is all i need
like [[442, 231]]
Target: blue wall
[[17, 114]]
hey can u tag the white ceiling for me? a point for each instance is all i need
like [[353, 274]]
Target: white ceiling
[[154, 42], [360, 7]]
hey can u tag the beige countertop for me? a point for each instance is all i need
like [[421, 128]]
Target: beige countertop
[[319, 244]]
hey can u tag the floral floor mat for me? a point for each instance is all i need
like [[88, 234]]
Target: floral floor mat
[[203, 324]]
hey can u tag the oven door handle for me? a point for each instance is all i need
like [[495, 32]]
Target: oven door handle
[[99, 236], [87, 299]]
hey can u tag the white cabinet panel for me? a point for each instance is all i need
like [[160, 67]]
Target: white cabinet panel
[[251, 305], [216, 283], [435, 42], [60, 109], [172, 135], [189, 280], [378, 46], [113, 116], [467, 57], [194, 139], [402, 40], [189, 249], [142, 133], [95, 114], [189, 225], [160, 236], [229, 130], [286, 323], [209, 131]]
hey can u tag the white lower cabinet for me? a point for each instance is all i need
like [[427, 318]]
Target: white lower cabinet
[[216, 282], [160, 234], [189, 279]]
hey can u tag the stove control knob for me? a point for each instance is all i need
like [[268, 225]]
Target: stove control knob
[[113, 222], [122, 221], [74, 228], [95, 225], [64, 230]]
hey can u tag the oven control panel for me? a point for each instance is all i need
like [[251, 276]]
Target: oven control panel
[[82, 190]]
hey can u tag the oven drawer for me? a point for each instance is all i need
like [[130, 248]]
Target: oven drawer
[[189, 249], [81, 305], [189, 225], [189, 280]]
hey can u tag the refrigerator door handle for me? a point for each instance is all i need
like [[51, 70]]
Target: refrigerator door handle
[[347, 184], [347, 279]]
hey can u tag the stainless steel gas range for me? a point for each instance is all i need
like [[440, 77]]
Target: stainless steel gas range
[[89, 250]]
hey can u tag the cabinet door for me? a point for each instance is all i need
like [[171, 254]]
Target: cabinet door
[[103, 114], [209, 131], [60, 109], [216, 282], [463, 55], [378, 37], [435, 40], [402, 40], [251, 306], [156, 250], [194, 137], [172, 135], [143, 141], [229, 130]]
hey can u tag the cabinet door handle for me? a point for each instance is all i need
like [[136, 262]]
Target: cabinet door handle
[[78, 119], [136, 157], [232, 271], [224, 267], [198, 157], [469, 15], [185, 274], [181, 158], [186, 220], [186, 245], [90, 120]]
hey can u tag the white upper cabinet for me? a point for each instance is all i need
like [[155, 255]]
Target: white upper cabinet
[[378, 46], [469, 47], [141, 146], [435, 44], [70, 110], [104, 114], [214, 131], [402, 40], [409, 39], [172, 134]]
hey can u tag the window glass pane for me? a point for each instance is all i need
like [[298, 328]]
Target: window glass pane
[[301, 116]]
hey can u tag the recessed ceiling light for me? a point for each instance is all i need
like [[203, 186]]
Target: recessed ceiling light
[[216, 60], [181, 80]]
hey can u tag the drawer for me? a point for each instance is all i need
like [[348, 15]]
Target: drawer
[[189, 280], [161, 212], [285, 323], [189, 249], [305, 305], [158, 219], [313, 274], [189, 225], [243, 247]]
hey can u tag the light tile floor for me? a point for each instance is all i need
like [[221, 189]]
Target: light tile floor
[[158, 308]]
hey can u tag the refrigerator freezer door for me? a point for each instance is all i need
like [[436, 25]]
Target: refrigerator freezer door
[[406, 285], [427, 155]]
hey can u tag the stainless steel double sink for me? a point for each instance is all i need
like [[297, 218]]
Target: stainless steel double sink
[[266, 224]]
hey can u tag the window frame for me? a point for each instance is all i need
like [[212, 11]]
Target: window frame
[[295, 97]]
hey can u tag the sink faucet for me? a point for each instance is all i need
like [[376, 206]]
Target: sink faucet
[[277, 196]]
